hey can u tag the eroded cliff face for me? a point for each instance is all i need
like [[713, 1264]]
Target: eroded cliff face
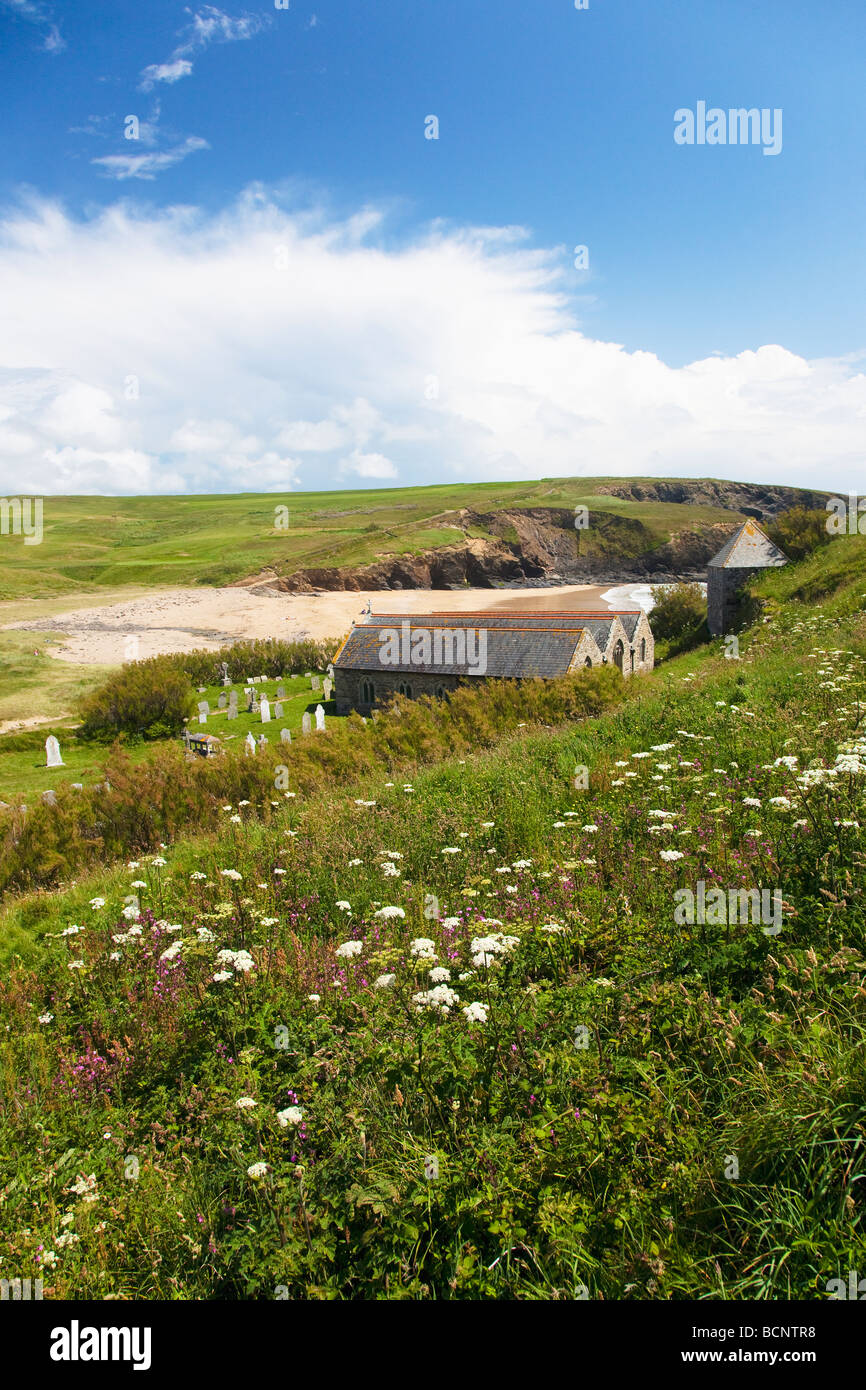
[[541, 545]]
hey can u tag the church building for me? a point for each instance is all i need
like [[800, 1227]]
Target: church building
[[432, 653]]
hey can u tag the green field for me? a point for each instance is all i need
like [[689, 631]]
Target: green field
[[432, 1029], [117, 544]]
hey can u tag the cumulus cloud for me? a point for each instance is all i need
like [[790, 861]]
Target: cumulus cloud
[[262, 349], [208, 25]]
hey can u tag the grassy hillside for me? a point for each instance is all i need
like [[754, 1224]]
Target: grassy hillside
[[436, 1033], [106, 543]]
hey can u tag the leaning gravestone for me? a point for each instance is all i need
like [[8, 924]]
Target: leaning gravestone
[[320, 718], [52, 753], [266, 710], [278, 710], [203, 711], [285, 735], [50, 798], [250, 744], [222, 702], [306, 722]]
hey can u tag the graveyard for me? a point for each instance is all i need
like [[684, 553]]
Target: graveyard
[[23, 760]]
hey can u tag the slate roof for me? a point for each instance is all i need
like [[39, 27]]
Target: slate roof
[[515, 647], [597, 621], [748, 548]]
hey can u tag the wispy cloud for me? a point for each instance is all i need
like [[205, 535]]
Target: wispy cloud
[[208, 25], [34, 12], [147, 166]]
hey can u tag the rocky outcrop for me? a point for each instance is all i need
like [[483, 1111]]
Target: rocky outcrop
[[541, 545], [751, 499]]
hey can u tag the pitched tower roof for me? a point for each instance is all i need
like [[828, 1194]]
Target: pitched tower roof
[[749, 548]]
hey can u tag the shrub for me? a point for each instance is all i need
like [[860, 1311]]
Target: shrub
[[799, 531], [675, 608], [145, 698]]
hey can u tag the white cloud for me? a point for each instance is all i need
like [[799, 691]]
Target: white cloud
[[165, 72], [208, 25], [368, 465], [147, 166], [34, 12], [455, 356]]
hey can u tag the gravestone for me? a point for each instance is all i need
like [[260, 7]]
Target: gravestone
[[285, 735], [202, 689], [307, 675], [78, 786], [232, 712], [281, 692], [315, 682], [52, 753], [262, 680], [250, 744], [262, 740], [50, 798], [331, 671], [203, 711], [224, 667], [278, 710], [327, 687], [320, 718], [306, 722], [186, 737], [266, 710], [222, 702], [226, 680]]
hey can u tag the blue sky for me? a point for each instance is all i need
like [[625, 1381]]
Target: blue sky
[[295, 124]]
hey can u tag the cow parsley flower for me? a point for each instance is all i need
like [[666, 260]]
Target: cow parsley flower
[[350, 948], [292, 1115], [476, 1012]]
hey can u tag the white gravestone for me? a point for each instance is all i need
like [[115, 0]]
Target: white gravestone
[[306, 722], [50, 798], [203, 711], [266, 710], [250, 744], [327, 687], [52, 753], [285, 735], [278, 710], [315, 682], [320, 718], [221, 702], [281, 692]]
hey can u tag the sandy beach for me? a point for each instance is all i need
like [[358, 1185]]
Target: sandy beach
[[180, 620]]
